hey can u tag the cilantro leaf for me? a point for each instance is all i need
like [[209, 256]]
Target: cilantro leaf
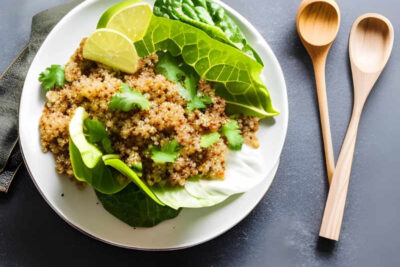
[[232, 133], [127, 99], [169, 67], [167, 153], [208, 140], [199, 102], [52, 77], [185, 76], [96, 133]]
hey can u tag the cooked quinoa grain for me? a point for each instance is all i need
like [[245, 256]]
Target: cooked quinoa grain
[[91, 86]]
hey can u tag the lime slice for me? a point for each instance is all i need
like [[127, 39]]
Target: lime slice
[[128, 17], [111, 48]]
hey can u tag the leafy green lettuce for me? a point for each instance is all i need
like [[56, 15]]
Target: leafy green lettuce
[[236, 77], [179, 196], [245, 170], [209, 17], [128, 172], [100, 177], [89, 153], [135, 208]]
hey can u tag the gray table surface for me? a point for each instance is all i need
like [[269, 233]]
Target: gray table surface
[[283, 229]]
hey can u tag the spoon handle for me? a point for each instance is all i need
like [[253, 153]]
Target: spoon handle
[[319, 69], [335, 204]]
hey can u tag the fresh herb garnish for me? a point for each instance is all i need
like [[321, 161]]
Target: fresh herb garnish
[[135, 208], [53, 77], [175, 70], [127, 99], [209, 17], [208, 140], [167, 153], [232, 133], [96, 134], [234, 75], [198, 101]]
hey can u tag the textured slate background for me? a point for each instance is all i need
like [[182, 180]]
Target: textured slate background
[[283, 229]]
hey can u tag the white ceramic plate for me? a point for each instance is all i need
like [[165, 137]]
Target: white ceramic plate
[[80, 208]]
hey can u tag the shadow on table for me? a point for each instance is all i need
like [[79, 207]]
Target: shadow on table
[[325, 245]]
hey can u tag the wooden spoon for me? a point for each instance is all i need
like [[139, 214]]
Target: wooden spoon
[[317, 25], [370, 45]]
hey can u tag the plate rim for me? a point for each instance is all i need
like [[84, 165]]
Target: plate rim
[[273, 171]]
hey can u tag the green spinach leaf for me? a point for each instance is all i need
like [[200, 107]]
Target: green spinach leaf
[[209, 17], [135, 208], [185, 76], [127, 99], [236, 77]]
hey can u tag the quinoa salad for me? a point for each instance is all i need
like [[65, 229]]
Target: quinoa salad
[[157, 110], [91, 85]]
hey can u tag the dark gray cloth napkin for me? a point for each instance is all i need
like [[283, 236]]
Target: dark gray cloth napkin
[[11, 83]]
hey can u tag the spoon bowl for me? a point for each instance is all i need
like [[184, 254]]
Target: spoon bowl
[[370, 43], [318, 22]]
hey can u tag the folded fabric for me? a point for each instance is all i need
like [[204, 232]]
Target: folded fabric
[[14, 163], [11, 83]]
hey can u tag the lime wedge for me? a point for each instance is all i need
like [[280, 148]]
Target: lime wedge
[[111, 48], [128, 17]]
